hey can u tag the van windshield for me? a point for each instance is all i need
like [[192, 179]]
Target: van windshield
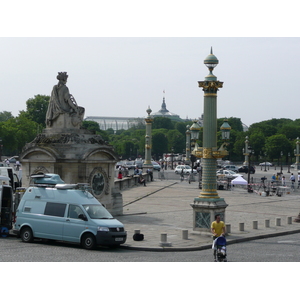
[[97, 211]]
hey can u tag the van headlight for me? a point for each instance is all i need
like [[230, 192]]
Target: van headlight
[[103, 228]]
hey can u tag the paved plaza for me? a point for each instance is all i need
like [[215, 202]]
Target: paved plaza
[[163, 207]]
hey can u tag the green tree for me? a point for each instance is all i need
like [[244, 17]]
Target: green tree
[[94, 127], [176, 140], [16, 132], [37, 108], [5, 115], [162, 122], [159, 143], [277, 143]]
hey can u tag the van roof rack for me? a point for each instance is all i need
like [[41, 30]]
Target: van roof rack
[[76, 186], [45, 180]]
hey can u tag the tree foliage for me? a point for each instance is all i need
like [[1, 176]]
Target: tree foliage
[[37, 108]]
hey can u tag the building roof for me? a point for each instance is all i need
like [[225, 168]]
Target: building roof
[[164, 112]]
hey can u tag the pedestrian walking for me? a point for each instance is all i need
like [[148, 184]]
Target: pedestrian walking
[[217, 229], [292, 179]]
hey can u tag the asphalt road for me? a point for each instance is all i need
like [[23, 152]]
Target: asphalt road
[[278, 249]]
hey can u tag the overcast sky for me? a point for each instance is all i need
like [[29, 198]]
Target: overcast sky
[[122, 76]]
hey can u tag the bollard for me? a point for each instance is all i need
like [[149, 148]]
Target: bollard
[[163, 237], [228, 228], [163, 240], [255, 224], [289, 220], [185, 234], [267, 223], [241, 226], [278, 221]]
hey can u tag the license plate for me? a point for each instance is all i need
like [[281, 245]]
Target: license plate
[[118, 239]]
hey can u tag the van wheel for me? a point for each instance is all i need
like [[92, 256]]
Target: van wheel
[[88, 241], [27, 235]]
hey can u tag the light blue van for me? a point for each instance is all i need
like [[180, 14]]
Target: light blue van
[[51, 209]]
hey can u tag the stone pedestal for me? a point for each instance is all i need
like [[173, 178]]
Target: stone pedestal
[[78, 156], [204, 211]]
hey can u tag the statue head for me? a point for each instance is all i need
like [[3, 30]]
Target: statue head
[[62, 76]]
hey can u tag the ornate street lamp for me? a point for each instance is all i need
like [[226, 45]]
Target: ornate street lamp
[[195, 129], [225, 128]]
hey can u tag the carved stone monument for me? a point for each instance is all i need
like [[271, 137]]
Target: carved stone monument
[[76, 154]]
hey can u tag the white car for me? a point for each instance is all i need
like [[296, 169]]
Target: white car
[[186, 169], [227, 174], [266, 163]]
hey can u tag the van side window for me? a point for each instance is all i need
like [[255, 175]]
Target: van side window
[[55, 209], [74, 211]]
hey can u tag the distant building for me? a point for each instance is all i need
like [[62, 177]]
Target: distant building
[[116, 123], [163, 112]]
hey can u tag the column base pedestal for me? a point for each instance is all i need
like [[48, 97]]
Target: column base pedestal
[[204, 211]]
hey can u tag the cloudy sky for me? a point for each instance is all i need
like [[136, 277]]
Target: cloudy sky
[[122, 74]]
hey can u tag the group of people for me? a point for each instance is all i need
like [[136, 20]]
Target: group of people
[[17, 165], [122, 170], [277, 178]]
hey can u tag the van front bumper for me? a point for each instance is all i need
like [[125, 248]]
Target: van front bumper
[[108, 238]]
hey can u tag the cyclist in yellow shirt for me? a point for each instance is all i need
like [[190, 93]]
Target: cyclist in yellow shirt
[[217, 229]]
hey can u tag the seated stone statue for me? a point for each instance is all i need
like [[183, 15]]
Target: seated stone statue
[[63, 111]]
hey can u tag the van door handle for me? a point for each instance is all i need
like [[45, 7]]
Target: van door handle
[[67, 220]]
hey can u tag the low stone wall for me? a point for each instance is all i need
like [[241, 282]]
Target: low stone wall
[[116, 207], [129, 182]]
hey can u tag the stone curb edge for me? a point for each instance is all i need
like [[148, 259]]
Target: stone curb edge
[[208, 246]]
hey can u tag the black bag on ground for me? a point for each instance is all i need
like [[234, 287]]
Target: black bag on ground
[[138, 237]]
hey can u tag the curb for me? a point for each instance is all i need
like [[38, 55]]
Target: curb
[[208, 246]]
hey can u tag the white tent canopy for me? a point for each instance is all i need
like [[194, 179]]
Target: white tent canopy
[[239, 180]]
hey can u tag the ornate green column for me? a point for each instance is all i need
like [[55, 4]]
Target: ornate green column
[[208, 204], [188, 145], [148, 141], [297, 154]]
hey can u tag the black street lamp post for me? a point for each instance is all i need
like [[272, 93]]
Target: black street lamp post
[[265, 161], [172, 157], [250, 152], [281, 154]]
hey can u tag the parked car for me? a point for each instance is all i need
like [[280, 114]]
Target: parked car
[[266, 163], [129, 164], [138, 163], [156, 166], [244, 169], [12, 160], [228, 174], [186, 169], [231, 168]]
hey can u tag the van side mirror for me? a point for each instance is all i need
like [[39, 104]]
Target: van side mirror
[[82, 217]]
